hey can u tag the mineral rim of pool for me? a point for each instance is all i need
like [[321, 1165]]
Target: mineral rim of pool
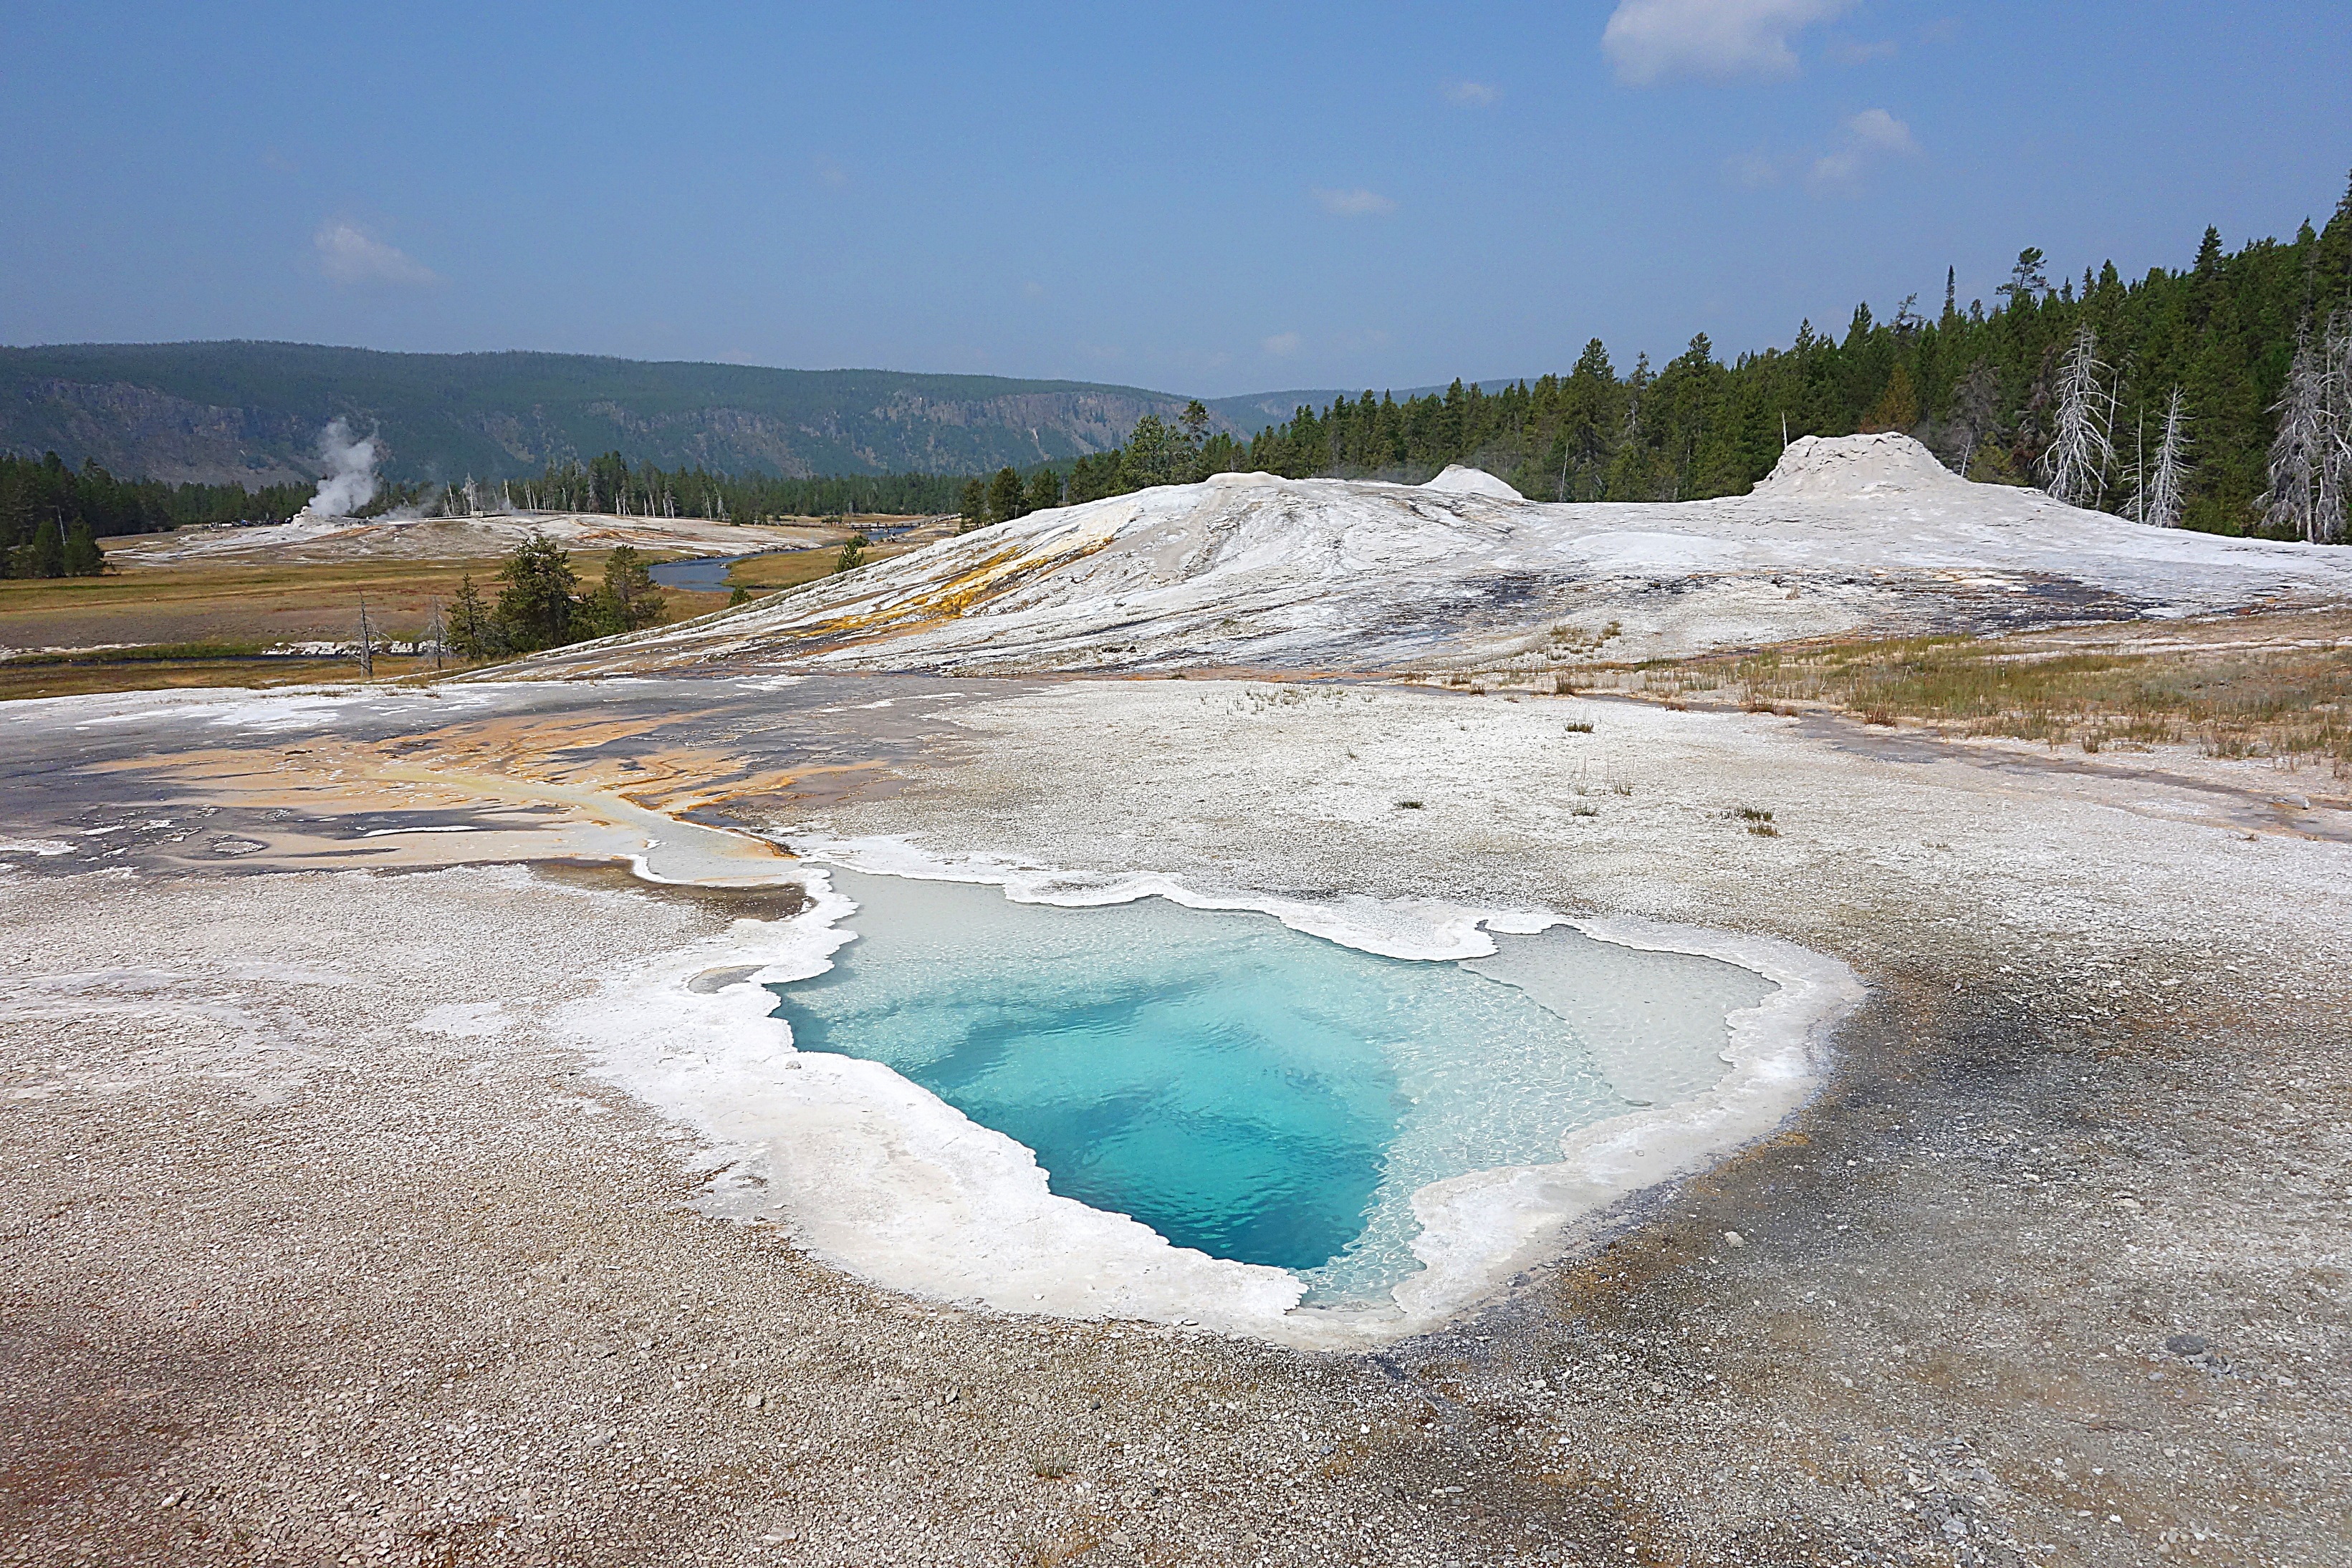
[[1240, 1088]]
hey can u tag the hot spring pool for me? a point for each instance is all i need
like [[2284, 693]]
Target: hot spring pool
[[1262, 1095]]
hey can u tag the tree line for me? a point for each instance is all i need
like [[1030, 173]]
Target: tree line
[[52, 515], [610, 485], [2217, 397]]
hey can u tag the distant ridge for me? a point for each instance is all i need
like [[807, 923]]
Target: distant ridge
[[251, 411]]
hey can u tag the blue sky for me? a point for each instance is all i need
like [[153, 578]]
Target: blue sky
[[1211, 199]]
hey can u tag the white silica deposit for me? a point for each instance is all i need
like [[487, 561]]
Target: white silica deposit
[[881, 1176], [1249, 569], [1458, 480]]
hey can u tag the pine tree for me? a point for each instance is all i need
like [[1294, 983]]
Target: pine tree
[[82, 556], [973, 506], [1158, 453], [2027, 281], [1898, 406], [537, 604], [1007, 499], [48, 550], [626, 601], [473, 630], [1044, 490]]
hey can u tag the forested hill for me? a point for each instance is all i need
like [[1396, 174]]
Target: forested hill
[[2247, 354], [250, 413]]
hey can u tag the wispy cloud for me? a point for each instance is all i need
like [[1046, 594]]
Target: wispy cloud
[[1870, 137], [1356, 203], [827, 171], [349, 254], [1282, 345], [1650, 40], [1473, 94], [1753, 170], [1857, 52]]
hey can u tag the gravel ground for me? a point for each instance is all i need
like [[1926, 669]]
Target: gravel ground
[[2052, 1272]]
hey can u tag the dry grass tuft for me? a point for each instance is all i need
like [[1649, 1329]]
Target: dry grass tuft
[[2276, 685]]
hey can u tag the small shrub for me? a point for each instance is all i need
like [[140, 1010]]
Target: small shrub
[[1584, 811], [1563, 685], [1581, 726], [1764, 829], [1751, 814], [1048, 1470], [1408, 805]]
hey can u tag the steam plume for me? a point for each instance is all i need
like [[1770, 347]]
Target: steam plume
[[350, 482]]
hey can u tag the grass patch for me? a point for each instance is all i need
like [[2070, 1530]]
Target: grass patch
[[86, 679], [2275, 687]]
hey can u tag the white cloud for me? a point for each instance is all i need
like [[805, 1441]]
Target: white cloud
[[1877, 128], [1854, 53], [1649, 40], [1753, 170], [1473, 94], [347, 253], [1281, 345], [1871, 136], [1356, 203], [827, 171]]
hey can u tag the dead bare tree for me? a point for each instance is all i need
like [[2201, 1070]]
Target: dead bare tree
[[2160, 494], [2308, 472], [1975, 403], [2335, 454], [2082, 448]]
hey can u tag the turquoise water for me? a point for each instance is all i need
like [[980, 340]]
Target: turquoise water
[[1243, 1089]]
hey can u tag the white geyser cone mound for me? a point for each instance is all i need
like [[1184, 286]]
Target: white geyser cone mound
[[1849, 533], [1463, 481], [1847, 467]]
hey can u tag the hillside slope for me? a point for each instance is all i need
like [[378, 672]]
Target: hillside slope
[[251, 412], [1251, 570]]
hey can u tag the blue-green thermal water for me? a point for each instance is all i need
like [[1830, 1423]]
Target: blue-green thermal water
[[1259, 1094]]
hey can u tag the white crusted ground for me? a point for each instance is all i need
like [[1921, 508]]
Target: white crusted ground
[[309, 537], [1866, 531]]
